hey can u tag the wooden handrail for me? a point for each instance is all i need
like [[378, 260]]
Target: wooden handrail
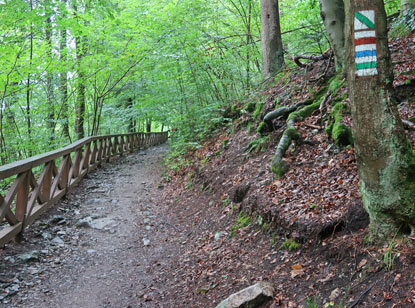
[[29, 197]]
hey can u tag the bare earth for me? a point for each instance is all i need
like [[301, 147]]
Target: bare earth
[[97, 248]]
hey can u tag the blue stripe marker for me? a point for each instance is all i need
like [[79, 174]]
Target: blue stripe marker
[[366, 53]]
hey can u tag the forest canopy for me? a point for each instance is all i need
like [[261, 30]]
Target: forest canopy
[[75, 68]]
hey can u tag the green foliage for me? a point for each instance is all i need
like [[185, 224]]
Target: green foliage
[[258, 145], [258, 108], [243, 221], [404, 25], [390, 254], [263, 128], [290, 244], [312, 303], [304, 18]]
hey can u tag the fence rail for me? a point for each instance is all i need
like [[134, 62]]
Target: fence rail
[[60, 170]]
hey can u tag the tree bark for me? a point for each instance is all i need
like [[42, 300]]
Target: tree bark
[[148, 125], [384, 156], [63, 80], [80, 100], [272, 52], [332, 13], [49, 80]]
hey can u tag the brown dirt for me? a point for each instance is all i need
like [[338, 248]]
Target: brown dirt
[[183, 245]]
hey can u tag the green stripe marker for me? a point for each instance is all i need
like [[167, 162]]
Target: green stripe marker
[[365, 65], [363, 19]]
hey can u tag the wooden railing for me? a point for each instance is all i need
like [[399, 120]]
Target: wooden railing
[[37, 183]]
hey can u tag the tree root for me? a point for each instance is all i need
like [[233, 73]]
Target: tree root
[[310, 57], [340, 133], [278, 166], [266, 125]]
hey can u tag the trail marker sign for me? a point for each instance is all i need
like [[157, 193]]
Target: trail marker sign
[[365, 43]]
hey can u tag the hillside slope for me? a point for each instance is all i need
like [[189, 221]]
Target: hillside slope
[[312, 221]]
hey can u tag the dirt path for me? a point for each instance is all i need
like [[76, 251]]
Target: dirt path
[[97, 248]]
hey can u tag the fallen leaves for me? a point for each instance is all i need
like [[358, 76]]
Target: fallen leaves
[[297, 270]]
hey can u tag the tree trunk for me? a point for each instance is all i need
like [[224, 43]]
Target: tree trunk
[[80, 101], [28, 89], [63, 80], [131, 120], [272, 52], [384, 156], [49, 80], [332, 13], [148, 125], [406, 5]]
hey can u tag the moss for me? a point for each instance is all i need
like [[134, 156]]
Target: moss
[[258, 109], [250, 107], [290, 244], [341, 134], [279, 168], [263, 128], [305, 111], [335, 83], [292, 133], [258, 145]]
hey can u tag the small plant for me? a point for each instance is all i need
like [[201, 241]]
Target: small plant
[[258, 109], [312, 303], [290, 244], [258, 145], [225, 202], [243, 221], [390, 254]]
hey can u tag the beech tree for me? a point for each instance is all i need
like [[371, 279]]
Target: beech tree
[[384, 155], [332, 13], [272, 52]]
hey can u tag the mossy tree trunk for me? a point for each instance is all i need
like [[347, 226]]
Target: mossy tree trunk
[[272, 52], [332, 13], [384, 155]]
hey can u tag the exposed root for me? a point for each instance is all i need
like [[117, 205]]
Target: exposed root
[[340, 133], [310, 57], [266, 126], [278, 166]]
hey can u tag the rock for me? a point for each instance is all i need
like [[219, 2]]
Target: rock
[[46, 235], [146, 242], [239, 192], [219, 235], [335, 294], [57, 220], [30, 256], [252, 297], [85, 223], [58, 241]]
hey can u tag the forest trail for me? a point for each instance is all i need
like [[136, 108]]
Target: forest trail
[[96, 248]]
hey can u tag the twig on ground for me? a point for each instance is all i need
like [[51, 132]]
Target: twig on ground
[[362, 294]]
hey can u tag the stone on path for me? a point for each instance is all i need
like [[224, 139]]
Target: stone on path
[[251, 297]]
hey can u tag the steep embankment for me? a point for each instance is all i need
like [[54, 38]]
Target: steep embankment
[[313, 213]]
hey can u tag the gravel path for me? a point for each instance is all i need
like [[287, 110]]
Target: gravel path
[[97, 248]]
